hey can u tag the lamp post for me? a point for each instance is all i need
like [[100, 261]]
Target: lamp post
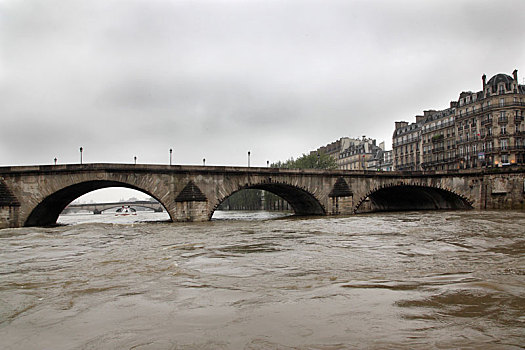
[[203, 161], [135, 159], [55, 160], [248, 159], [81, 150], [171, 152], [267, 163]]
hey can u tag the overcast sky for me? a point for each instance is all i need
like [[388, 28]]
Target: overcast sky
[[216, 79]]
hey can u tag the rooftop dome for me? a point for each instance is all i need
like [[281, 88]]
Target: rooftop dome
[[500, 78]]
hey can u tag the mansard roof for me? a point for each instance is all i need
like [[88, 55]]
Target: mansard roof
[[500, 78]]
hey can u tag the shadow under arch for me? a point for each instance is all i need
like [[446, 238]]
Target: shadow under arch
[[302, 202], [413, 197], [47, 211]]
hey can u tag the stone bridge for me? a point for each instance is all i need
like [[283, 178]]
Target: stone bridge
[[36, 195], [98, 208]]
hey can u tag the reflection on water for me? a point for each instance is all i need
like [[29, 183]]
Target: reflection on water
[[380, 281]]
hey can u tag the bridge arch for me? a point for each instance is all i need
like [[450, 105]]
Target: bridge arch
[[46, 212], [302, 201], [404, 197]]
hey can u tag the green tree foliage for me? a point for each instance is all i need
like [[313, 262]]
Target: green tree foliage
[[243, 200], [310, 161]]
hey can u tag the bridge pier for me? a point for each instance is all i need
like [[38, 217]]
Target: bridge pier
[[9, 216], [190, 211], [191, 204]]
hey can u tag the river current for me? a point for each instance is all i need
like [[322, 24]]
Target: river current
[[414, 280]]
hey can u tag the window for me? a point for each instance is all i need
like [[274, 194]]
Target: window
[[503, 130], [504, 144], [504, 158]]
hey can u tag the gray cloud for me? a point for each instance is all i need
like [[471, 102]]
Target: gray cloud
[[215, 79]]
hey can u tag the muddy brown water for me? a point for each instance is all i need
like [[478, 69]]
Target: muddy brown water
[[414, 280]]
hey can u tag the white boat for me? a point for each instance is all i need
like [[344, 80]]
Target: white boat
[[125, 211]]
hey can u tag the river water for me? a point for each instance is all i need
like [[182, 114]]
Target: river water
[[415, 280]]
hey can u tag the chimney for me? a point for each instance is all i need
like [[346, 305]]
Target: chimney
[[515, 74], [484, 79], [419, 118], [401, 125]]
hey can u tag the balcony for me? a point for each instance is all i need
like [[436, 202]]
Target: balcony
[[438, 127], [438, 138], [486, 121], [489, 108], [397, 144], [503, 120]]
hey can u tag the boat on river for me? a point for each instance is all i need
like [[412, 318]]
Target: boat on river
[[125, 211]]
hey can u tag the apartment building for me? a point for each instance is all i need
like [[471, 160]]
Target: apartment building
[[438, 138], [357, 154], [361, 154], [406, 145], [480, 129]]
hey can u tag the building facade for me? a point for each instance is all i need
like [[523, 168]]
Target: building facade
[[361, 154], [406, 144], [438, 138], [480, 129], [357, 154]]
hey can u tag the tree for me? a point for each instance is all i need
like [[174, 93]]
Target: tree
[[310, 161]]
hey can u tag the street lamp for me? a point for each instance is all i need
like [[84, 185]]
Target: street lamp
[[203, 161], [171, 152], [267, 163], [55, 160], [135, 159], [81, 150], [248, 159]]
